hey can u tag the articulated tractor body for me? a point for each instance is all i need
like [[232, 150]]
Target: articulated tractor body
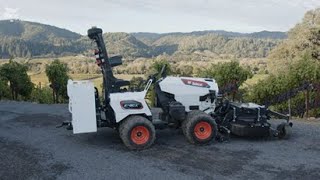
[[192, 104]]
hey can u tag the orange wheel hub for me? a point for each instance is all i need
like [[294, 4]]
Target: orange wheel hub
[[140, 135], [203, 130]]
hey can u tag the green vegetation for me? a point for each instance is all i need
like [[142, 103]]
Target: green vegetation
[[57, 74], [42, 95], [4, 89], [302, 39], [229, 76], [16, 76], [137, 84], [215, 46], [157, 66], [29, 39], [295, 67], [298, 86]]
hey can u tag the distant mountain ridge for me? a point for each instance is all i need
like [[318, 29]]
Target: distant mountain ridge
[[151, 37], [32, 31], [30, 39]]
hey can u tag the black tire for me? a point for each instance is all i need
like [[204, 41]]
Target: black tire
[[130, 129], [195, 121], [189, 116], [284, 131]]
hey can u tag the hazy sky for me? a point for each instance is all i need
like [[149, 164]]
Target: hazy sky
[[161, 15]]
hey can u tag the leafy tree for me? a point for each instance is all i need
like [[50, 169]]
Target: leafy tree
[[156, 67], [16, 75], [295, 85], [185, 70], [57, 74], [305, 71], [270, 91], [4, 89], [137, 83], [297, 61], [41, 95], [303, 38], [229, 76]]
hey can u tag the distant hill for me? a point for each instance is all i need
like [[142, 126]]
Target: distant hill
[[29, 39], [126, 45], [219, 42], [31, 31], [149, 38], [222, 47]]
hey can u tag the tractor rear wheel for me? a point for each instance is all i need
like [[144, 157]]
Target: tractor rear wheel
[[189, 116], [137, 132], [199, 128]]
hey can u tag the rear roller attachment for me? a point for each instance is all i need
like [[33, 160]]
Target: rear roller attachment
[[223, 135], [284, 130]]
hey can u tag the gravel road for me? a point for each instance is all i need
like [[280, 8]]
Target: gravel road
[[32, 148]]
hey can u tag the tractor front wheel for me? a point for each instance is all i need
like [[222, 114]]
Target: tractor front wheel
[[137, 132]]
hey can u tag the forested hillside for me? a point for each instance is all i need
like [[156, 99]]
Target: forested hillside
[[149, 38], [31, 31], [118, 43], [29, 39], [221, 46]]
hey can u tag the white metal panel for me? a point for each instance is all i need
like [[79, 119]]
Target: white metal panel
[[176, 86], [116, 98], [189, 94], [82, 106]]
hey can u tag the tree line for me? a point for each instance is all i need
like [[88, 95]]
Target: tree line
[[300, 86], [295, 92], [293, 86], [15, 83]]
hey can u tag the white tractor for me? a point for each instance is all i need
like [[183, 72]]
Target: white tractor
[[186, 102]]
